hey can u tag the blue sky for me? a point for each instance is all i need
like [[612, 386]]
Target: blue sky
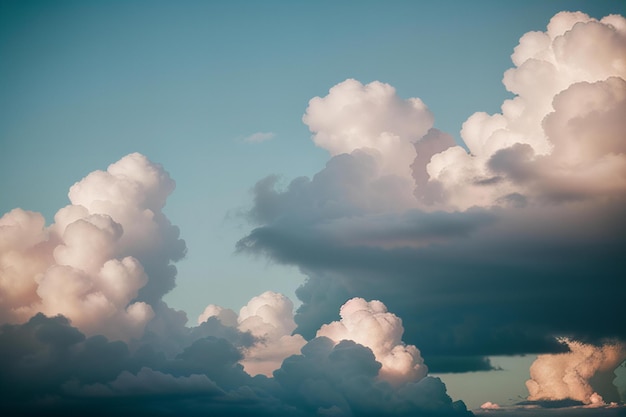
[[83, 83]]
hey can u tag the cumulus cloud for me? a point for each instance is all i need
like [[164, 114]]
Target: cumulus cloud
[[470, 243], [371, 325], [585, 373], [330, 379], [561, 136], [364, 346], [269, 318], [104, 260], [49, 365], [371, 118], [489, 406], [225, 315]]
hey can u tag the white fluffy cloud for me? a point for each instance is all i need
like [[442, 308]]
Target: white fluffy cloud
[[269, 318], [86, 265], [561, 136], [578, 374], [372, 118], [25, 253], [371, 325]]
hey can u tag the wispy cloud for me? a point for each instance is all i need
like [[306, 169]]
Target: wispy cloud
[[259, 137]]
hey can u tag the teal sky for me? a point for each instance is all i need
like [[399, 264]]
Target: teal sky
[[83, 83]]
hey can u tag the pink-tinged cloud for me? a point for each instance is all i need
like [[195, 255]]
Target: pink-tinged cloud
[[87, 264], [269, 319], [371, 325], [371, 118], [226, 316], [560, 137], [490, 406], [585, 373], [529, 214]]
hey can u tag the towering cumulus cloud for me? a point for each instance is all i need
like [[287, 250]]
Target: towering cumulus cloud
[[92, 265], [585, 373], [561, 136], [494, 247]]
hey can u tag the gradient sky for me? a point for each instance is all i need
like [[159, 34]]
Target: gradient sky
[[188, 84]]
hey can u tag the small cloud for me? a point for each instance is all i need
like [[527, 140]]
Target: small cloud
[[259, 137], [490, 406]]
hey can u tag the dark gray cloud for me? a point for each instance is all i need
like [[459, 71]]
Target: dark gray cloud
[[48, 366], [553, 409], [479, 282], [500, 245]]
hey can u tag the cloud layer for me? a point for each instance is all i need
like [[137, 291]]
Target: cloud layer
[[49, 365], [85, 328]]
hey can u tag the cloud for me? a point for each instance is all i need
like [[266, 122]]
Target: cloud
[[331, 379], [552, 409], [489, 406], [450, 274], [117, 349], [585, 373], [469, 244], [225, 315], [560, 136], [371, 325], [49, 365], [269, 318], [371, 118], [259, 137], [147, 383], [105, 261]]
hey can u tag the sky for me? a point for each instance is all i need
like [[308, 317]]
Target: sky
[[275, 207]]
